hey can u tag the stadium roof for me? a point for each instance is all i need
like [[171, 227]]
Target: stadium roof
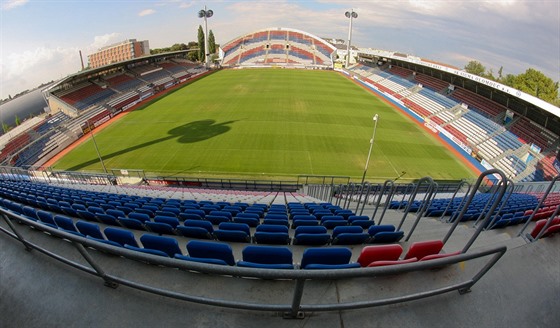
[[94, 71], [458, 72]]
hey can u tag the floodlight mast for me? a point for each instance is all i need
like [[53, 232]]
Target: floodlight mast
[[205, 13], [375, 119], [349, 14]]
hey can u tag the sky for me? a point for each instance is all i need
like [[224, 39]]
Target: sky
[[40, 39]]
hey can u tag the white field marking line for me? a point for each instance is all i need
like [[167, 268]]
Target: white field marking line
[[387, 159]]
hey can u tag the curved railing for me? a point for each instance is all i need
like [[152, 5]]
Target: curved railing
[[293, 309]]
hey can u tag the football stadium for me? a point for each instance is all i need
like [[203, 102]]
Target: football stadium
[[281, 187]]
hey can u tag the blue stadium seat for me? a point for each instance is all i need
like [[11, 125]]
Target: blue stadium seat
[[46, 218], [272, 234], [168, 245], [131, 223], [349, 235], [209, 252], [160, 228], [327, 258], [196, 229], [311, 236], [65, 223], [120, 236], [266, 257], [172, 221], [89, 229], [234, 232]]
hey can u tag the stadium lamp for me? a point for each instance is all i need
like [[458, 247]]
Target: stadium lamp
[[350, 14], [375, 119], [205, 13]]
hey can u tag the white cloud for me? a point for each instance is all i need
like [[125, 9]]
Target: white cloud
[[101, 41], [146, 12], [185, 5], [11, 4]]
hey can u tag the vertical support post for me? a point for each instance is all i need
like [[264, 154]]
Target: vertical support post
[[19, 236], [95, 266], [296, 301], [501, 192]]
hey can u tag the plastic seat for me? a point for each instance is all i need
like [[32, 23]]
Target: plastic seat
[[172, 221], [272, 234], [107, 219], [327, 258], [385, 263], [131, 223], [387, 237], [196, 229], [89, 229], [65, 223], [159, 228], [234, 232], [349, 235], [168, 245], [120, 236], [211, 250], [371, 254], [311, 235], [267, 257], [420, 249]]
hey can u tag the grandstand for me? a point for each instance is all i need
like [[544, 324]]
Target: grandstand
[[278, 47], [328, 253], [469, 120], [274, 239]]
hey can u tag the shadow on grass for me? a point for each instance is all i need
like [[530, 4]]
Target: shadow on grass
[[188, 133]]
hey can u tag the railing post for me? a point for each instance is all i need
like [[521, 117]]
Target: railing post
[[413, 197], [474, 190], [295, 313], [453, 197], [425, 203], [387, 199], [502, 191], [95, 266], [19, 236], [381, 193], [539, 204]]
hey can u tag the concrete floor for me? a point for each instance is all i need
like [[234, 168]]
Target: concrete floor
[[522, 290]]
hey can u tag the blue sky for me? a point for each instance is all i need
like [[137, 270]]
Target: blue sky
[[40, 39]]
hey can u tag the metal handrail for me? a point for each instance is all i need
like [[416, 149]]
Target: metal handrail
[[431, 192], [544, 196], [430, 182], [511, 185], [381, 193], [463, 182], [293, 310], [474, 190]]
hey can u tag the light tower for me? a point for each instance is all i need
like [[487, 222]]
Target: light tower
[[206, 13], [375, 119], [350, 14]]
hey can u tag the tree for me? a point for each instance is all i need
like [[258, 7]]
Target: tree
[[200, 43], [500, 71], [211, 43], [5, 127], [18, 121], [537, 84], [508, 80], [475, 67]]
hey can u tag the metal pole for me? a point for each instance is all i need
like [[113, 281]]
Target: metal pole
[[350, 14], [205, 37], [375, 119], [96, 149]]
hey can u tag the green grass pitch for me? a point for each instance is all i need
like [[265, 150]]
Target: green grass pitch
[[268, 123]]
